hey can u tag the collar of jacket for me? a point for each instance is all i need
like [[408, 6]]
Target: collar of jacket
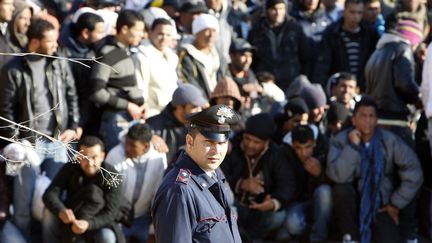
[[197, 174]]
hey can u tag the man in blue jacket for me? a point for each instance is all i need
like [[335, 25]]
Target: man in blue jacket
[[193, 202]]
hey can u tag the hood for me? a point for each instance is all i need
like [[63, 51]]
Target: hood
[[18, 39], [390, 38], [227, 88], [226, 6], [73, 44]]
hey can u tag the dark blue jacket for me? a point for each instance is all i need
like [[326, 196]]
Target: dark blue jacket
[[185, 210]]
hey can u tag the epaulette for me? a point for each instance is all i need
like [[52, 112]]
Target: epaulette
[[183, 176]]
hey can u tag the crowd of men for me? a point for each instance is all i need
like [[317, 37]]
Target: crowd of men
[[334, 100]]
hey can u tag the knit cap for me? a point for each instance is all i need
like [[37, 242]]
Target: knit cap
[[271, 3], [261, 125], [314, 96], [204, 21], [411, 30]]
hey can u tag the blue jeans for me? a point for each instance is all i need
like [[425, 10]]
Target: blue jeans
[[53, 156], [51, 231], [139, 229], [113, 126], [23, 188], [258, 224], [10, 233], [313, 215]]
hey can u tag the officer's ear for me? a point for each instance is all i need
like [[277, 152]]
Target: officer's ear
[[189, 140]]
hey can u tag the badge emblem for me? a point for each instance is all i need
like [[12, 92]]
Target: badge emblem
[[223, 113]]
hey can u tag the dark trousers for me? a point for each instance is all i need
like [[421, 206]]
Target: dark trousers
[[346, 206]]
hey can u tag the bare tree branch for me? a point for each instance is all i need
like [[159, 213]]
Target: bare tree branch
[[75, 60]]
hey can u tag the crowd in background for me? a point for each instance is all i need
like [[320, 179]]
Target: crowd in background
[[334, 100]]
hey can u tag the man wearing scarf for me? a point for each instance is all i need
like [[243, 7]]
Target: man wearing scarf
[[377, 177]]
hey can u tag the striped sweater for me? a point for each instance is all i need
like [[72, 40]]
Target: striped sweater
[[115, 85]]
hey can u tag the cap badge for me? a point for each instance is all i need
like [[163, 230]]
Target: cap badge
[[223, 113]]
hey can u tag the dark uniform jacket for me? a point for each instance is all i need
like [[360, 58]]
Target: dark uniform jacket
[[17, 95], [170, 130], [185, 208], [278, 178]]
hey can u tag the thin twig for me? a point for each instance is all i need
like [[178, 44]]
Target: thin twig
[[75, 60]]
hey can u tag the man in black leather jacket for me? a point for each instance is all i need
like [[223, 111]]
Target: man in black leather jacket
[[40, 93], [390, 77]]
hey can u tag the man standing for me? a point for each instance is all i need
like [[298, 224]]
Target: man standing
[[390, 77], [79, 42], [158, 65], [346, 46], [115, 84], [199, 63], [193, 202], [281, 47], [377, 177], [40, 92]]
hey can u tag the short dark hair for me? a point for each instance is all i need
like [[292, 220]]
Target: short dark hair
[[302, 134], [365, 101], [86, 21], [37, 29], [265, 76], [353, 2], [91, 141], [346, 76], [193, 131], [159, 21], [141, 132], [128, 18]]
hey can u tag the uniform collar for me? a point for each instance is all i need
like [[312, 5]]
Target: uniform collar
[[197, 174]]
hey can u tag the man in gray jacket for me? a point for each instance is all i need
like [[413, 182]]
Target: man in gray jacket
[[377, 177]]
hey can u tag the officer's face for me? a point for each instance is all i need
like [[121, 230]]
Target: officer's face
[[91, 159], [208, 154], [253, 146]]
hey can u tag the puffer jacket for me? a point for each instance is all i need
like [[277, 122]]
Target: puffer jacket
[[286, 54], [403, 174], [390, 77], [17, 96]]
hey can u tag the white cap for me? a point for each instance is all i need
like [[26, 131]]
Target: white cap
[[204, 21], [80, 12]]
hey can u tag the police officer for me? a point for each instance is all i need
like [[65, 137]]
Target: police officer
[[193, 202]]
